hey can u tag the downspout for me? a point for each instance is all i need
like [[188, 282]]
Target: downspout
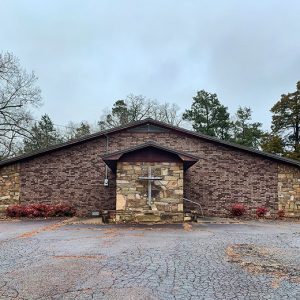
[[106, 167]]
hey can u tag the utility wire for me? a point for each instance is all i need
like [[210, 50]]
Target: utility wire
[[59, 125]]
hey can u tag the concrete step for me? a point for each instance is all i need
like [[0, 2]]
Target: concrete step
[[148, 217], [216, 220], [85, 221]]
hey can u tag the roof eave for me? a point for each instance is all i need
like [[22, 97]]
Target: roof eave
[[155, 122]]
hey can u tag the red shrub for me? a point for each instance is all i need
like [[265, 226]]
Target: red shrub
[[238, 210], [261, 211], [61, 210], [281, 213], [14, 211], [40, 210]]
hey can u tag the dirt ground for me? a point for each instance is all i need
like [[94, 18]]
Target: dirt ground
[[51, 259]]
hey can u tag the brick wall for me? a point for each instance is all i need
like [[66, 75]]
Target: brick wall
[[222, 176], [9, 186], [74, 175]]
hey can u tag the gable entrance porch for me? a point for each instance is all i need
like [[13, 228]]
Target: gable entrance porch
[[149, 183]]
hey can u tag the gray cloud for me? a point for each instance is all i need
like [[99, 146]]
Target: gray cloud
[[88, 54]]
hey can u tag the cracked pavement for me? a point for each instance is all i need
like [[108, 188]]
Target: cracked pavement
[[51, 260]]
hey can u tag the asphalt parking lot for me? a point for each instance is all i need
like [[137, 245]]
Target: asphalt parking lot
[[52, 260]]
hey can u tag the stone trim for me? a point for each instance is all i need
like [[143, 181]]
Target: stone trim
[[167, 193], [289, 190], [9, 186]]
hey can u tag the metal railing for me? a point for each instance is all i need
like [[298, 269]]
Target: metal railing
[[198, 204]]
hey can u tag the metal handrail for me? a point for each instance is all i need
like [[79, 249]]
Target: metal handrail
[[188, 200]]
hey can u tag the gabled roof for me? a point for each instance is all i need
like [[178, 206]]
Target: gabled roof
[[148, 121], [187, 159]]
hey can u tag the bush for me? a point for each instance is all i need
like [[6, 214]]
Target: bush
[[40, 210], [237, 210], [14, 211], [261, 211], [281, 213], [61, 210]]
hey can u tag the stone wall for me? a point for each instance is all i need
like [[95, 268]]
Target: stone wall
[[132, 192], [289, 190], [9, 186]]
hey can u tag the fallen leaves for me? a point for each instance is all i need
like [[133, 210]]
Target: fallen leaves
[[261, 260], [97, 256], [187, 227], [50, 227]]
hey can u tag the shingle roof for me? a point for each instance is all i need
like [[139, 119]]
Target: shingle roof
[[145, 122]]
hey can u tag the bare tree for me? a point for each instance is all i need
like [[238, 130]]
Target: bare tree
[[168, 113], [18, 93], [135, 108], [140, 107], [69, 131]]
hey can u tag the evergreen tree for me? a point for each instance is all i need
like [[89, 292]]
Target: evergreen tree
[[82, 130], [43, 135], [209, 116], [286, 120], [119, 114], [272, 143], [244, 132]]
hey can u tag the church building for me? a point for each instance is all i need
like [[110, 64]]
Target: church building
[[152, 171]]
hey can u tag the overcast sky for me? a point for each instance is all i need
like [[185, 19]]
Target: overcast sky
[[87, 54]]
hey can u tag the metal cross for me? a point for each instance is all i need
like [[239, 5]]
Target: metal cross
[[150, 178]]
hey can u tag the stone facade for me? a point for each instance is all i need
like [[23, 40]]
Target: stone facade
[[132, 192], [9, 186], [289, 190]]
